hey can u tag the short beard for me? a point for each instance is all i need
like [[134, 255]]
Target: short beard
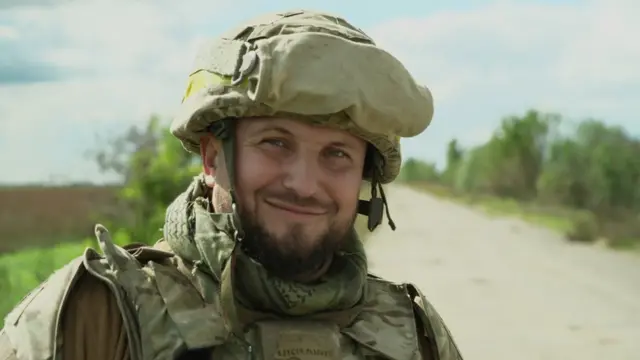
[[287, 263]]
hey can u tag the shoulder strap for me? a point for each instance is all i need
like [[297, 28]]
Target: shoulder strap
[[438, 337], [31, 325]]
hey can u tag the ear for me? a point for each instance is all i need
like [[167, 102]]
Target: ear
[[209, 149]]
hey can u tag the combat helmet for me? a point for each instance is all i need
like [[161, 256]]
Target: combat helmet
[[310, 66]]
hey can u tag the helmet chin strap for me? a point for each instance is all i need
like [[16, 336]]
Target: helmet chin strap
[[224, 131], [374, 209]]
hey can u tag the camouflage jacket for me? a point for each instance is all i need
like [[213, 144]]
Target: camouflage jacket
[[165, 316]]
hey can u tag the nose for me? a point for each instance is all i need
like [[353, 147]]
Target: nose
[[302, 176]]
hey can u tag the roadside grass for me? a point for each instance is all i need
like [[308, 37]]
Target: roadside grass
[[574, 225], [559, 220]]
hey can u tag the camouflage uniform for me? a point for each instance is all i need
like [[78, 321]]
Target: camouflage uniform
[[195, 294]]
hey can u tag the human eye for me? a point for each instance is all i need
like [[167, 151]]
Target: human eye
[[274, 142], [338, 153]]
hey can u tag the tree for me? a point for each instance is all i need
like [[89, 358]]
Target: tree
[[416, 170], [454, 158], [154, 168], [597, 168], [510, 163]]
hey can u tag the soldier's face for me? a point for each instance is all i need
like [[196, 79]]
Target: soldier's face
[[297, 188]]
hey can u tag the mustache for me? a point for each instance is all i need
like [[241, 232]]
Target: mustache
[[293, 198]]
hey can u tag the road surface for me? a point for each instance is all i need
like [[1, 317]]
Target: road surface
[[509, 290]]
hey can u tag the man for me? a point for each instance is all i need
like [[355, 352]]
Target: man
[[259, 258]]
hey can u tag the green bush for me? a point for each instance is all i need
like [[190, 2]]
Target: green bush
[[622, 230], [416, 170], [585, 228]]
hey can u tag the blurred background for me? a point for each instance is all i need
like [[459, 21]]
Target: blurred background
[[537, 106]]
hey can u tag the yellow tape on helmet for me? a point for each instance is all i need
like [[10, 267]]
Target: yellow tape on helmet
[[203, 79]]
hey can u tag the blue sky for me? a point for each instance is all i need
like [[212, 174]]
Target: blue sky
[[72, 72]]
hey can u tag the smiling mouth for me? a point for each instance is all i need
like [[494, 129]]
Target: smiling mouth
[[298, 210]]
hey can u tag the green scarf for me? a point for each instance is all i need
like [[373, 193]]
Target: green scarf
[[206, 239]]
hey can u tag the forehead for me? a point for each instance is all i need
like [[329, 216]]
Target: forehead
[[296, 128]]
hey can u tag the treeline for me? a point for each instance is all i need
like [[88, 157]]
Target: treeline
[[542, 160]]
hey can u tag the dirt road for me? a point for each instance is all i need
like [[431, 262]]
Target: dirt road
[[509, 290]]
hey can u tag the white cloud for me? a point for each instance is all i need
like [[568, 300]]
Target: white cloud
[[579, 59], [132, 58], [116, 36], [569, 48], [9, 33], [134, 54]]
